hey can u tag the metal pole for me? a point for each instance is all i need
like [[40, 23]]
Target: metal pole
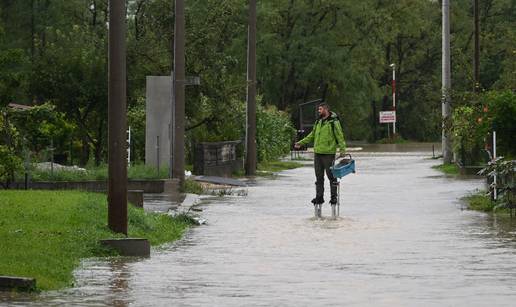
[[129, 147], [52, 159], [251, 161], [157, 153], [446, 82], [117, 119], [495, 192], [476, 63], [178, 170], [394, 97]]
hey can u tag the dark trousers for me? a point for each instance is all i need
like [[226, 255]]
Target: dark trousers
[[322, 163]]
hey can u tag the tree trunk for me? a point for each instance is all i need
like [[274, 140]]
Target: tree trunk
[[85, 151], [99, 144]]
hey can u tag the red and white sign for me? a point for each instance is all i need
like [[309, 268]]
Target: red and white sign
[[387, 117]]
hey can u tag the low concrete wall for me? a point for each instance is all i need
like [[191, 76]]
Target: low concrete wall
[[216, 159]]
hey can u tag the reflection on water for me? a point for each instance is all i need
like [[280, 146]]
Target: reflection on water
[[402, 239]]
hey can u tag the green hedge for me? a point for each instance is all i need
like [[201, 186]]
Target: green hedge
[[275, 133]]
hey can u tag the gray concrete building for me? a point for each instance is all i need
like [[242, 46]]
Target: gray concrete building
[[158, 119]]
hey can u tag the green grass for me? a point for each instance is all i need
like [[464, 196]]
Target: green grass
[[193, 187], [481, 201], [136, 171], [45, 234], [449, 169]]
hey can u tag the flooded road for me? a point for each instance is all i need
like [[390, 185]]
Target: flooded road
[[403, 239]]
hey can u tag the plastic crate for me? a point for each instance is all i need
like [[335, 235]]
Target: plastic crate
[[343, 168]]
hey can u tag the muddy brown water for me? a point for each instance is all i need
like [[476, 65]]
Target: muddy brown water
[[403, 239]]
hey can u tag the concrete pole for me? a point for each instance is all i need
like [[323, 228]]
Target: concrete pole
[[394, 97], [251, 160], [117, 119], [446, 83], [178, 169], [476, 63]]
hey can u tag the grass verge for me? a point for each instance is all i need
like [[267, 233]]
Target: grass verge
[[481, 201], [448, 169], [45, 234], [136, 171]]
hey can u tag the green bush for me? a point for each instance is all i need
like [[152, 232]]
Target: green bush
[[468, 134], [479, 115], [505, 185], [275, 131], [9, 165], [502, 113], [10, 162]]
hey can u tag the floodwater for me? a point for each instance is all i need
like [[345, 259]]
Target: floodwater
[[403, 239]]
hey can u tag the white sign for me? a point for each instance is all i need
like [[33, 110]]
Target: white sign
[[387, 117]]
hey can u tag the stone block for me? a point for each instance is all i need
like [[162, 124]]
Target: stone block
[[132, 247], [9, 283]]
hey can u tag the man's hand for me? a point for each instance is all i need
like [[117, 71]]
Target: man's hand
[[342, 154]]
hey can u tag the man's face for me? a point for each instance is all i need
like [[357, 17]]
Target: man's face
[[322, 111]]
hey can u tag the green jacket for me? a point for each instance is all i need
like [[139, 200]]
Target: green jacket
[[326, 136]]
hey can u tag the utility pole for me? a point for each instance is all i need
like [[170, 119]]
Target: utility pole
[[250, 161], [393, 66], [177, 160], [476, 61], [117, 119], [446, 83]]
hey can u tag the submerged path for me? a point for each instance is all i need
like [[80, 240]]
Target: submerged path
[[403, 239]]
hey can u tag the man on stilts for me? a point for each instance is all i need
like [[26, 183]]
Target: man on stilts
[[326, 137]]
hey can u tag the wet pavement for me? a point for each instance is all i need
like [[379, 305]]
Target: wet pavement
[[403, 239]]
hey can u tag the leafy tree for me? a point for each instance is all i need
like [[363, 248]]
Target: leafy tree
[[42, 126], [56, 51]]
